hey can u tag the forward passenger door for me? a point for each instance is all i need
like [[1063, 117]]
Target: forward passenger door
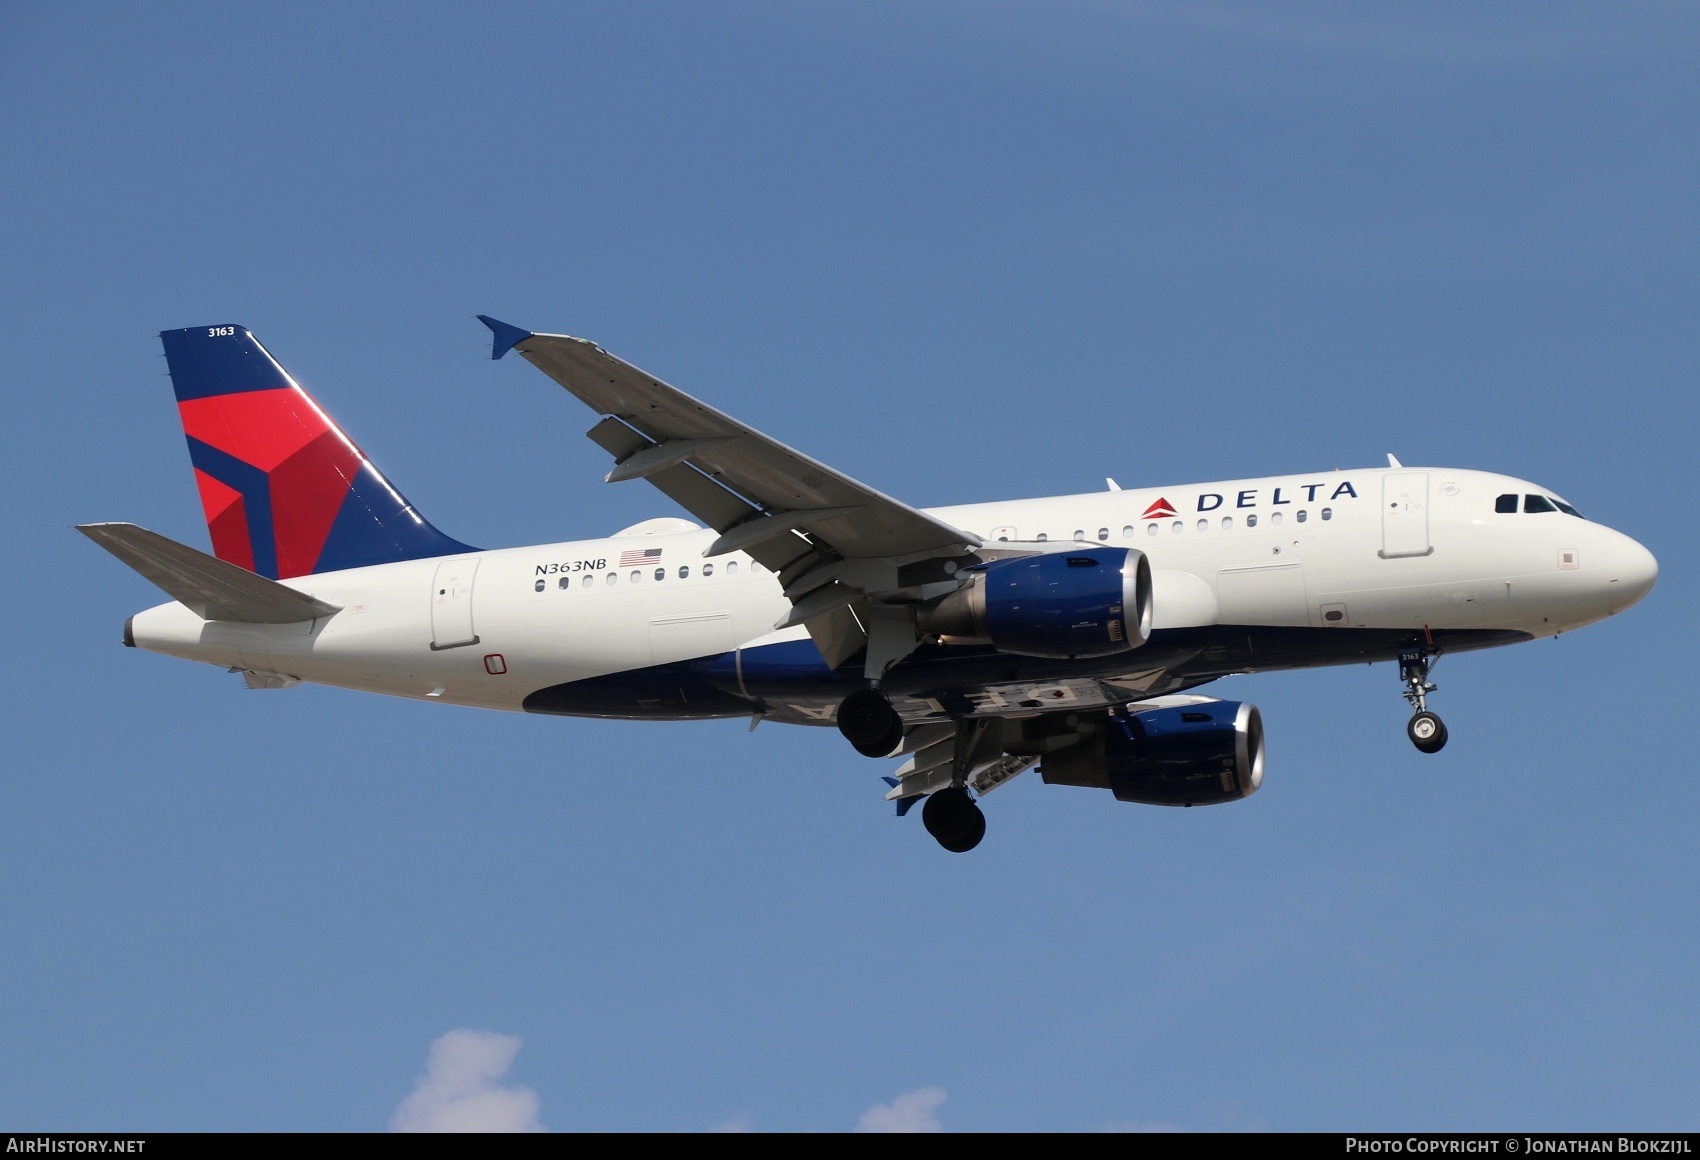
[[1404, 514]]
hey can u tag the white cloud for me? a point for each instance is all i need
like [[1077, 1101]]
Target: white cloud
[[459, 1091], [910, 1112]]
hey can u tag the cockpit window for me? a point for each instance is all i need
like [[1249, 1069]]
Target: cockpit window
[[1505, 504], [1537, 503], [1566, 508]]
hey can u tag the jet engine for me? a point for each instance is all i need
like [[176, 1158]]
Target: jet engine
[[1092, 602], [1198, 753]]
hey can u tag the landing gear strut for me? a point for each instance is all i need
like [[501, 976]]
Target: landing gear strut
[[1426, 730], [869, 723]]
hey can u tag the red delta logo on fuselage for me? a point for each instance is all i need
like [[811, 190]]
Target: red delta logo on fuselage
[[1161, 508]]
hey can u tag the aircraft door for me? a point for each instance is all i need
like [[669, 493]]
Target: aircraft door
[[1404, 514], [451, 604]]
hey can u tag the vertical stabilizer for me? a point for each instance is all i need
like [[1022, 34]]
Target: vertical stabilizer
[[285, 492]]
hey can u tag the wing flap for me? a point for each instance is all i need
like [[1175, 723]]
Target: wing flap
[[209, 587]]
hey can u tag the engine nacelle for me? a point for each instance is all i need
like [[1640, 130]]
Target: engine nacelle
[[1092, 602], [1195, 754]]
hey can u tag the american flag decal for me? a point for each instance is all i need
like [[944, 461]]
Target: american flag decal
[[639, 556]]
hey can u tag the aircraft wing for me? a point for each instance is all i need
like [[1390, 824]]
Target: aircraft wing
[[781, 490]]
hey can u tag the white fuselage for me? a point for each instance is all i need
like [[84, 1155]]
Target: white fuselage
[[1405, 548]]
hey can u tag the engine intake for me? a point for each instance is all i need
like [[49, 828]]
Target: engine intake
[[1197, 754], [1092, 602]]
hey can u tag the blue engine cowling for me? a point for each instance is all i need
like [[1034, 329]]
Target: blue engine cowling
[[1197, 754], [1091, 602]]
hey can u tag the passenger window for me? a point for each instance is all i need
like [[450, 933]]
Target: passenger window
[[1043, 537], [1536, 503], [587, 581], [1505, 505], [1176, 527], [1151, 529], [636, 576], [613, 579], [566, 582], [731, 567], [685, 572], [1327, 513], [1103, 533], [661, 573], [708, 569], [1079, 534], [539, 585], [1127, 532], [1302, 516], [1227, 523], [1204, 525], [758, 565], [1251, 520], [1276, 518]]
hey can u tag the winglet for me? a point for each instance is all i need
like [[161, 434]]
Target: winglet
[[503, 337]]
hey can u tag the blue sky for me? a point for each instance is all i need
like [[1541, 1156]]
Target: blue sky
[[962, 252]]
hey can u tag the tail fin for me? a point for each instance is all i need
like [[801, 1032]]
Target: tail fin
[[285, 492]]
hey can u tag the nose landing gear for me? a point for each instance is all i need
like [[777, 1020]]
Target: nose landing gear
[[1426, 730]]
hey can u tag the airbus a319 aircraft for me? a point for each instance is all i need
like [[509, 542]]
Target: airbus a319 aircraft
[[974, 642]]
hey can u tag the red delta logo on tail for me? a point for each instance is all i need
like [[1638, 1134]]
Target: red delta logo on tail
[[307, 463], [1159, 509], [284, 491]]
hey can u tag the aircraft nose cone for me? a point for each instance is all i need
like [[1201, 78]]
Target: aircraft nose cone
[[1632, 573]]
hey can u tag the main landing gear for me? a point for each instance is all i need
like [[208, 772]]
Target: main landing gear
[[1426, 730], [869, 723], [951, 815], [952, 818]]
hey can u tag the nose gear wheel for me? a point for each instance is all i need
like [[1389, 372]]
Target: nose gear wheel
[[1427, 732]]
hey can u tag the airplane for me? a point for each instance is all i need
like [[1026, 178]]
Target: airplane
[[974, 642]]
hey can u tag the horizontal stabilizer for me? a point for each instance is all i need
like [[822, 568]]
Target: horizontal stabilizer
[[209, 587]]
